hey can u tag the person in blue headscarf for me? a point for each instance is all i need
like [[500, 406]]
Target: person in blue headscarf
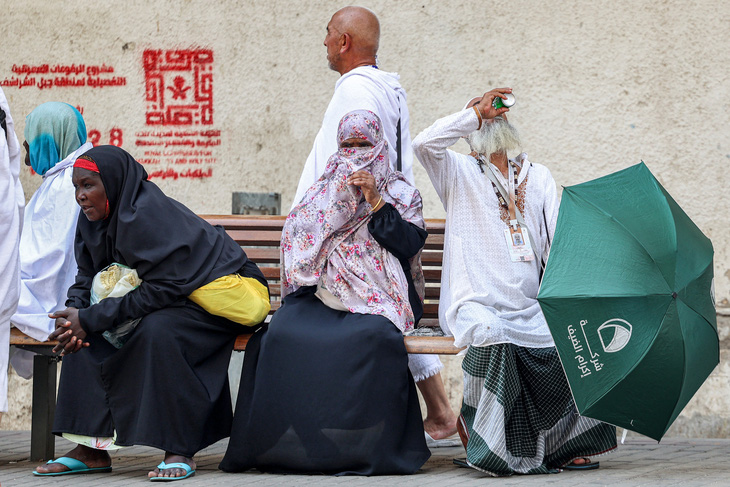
[[55, 135]]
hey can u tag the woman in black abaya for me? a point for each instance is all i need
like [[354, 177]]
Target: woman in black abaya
[[167, 386]]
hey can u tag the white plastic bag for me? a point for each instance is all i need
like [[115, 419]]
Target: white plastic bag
[[114, 281]]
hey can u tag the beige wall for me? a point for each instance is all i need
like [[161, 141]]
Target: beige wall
[[599, 85]]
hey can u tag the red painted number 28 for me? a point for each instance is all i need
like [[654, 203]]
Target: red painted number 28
[[115, 137]]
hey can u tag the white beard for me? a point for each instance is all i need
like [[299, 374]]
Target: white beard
[[498, 136]]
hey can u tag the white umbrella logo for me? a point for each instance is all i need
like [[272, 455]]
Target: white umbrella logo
[[616, 332]]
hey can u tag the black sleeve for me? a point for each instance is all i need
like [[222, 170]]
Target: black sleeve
[[399, 237], [79, 294]]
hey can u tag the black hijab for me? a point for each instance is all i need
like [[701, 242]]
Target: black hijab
[[172, 249]]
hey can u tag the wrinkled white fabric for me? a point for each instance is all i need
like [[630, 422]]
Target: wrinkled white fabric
[[48, 265], [47, 262], [12, 202], [363, 88], [486, 298]]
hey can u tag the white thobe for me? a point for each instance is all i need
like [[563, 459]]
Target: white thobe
[[47, 262], [12, 201], [486, 298], [363, 88]]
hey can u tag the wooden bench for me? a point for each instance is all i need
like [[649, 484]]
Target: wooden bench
[[259, 236]]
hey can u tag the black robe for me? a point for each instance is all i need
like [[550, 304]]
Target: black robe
[[167, 387], [327, 391]]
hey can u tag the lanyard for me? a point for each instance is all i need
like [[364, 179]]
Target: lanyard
[[512, 192], [502, 195]]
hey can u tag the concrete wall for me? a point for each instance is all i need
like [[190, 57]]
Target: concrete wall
[[600, 86]]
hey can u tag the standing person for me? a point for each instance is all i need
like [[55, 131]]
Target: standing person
[[167, 386], [12, 201], [325, 388], [55, 135], [518, 415], [352, 40]]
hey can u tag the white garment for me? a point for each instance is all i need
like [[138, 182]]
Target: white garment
[[486, 298], [47, 262], [363, 88], [12, 201]]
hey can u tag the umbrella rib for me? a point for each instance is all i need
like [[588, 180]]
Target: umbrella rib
[[621, 225]]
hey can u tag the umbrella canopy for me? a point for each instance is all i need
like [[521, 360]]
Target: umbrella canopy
[[627, 294]]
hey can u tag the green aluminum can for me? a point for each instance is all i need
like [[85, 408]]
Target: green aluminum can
[[499, 102]]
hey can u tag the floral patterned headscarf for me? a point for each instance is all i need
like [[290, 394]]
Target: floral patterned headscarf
[[326, 241]]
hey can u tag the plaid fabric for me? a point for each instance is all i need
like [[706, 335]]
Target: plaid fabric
[[519, 414]]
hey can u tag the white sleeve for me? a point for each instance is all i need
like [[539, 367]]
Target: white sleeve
[[431, 148]]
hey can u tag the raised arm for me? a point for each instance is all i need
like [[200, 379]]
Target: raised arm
[[431, 145]]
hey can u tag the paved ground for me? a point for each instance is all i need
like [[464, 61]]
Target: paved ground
[[639, 462]]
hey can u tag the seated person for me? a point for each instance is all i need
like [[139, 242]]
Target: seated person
[[167, 386], [518, 415], [55, 135], [325, 388]]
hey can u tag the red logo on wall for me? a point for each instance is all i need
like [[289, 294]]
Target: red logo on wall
[[178, 86]]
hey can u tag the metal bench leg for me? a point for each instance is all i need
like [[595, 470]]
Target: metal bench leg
[[42, 441]]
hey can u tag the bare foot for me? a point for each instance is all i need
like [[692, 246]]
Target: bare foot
[[173, 472], [91, 457], [440, 419], [440, 428]]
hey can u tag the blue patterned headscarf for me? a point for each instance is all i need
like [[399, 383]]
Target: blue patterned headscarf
[[53, 131]]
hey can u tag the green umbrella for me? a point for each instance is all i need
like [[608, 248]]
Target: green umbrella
[[627, 294]]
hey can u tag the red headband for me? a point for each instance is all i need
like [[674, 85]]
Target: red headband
[[86, 164]]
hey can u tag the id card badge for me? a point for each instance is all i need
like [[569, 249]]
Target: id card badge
[[518, 244]]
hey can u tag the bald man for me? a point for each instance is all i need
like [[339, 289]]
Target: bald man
[[352, 40], [353, 35]]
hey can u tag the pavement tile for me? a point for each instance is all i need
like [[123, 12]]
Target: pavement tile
[[640, 462]]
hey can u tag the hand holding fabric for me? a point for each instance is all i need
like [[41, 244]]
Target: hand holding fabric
[[68, 332], [366, 182]]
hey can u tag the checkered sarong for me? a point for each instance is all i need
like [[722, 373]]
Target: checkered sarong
[[519, 414]]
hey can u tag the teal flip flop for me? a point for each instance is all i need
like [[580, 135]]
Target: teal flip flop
[[75, 466], [189, 472]]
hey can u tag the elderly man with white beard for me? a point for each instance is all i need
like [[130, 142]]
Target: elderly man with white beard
[[518, 415]]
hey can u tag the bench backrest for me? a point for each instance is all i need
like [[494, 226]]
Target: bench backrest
[[260, 235]]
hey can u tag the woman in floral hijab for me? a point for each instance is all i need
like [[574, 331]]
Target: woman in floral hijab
[[326, 387], [326, 239]]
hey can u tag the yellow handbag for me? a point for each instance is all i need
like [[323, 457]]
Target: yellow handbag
[[243, 300]]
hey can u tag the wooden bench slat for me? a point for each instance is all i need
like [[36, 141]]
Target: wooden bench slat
[[434, 242], [264, 255], [437, 345], [17, 337], [253, 238], [432, 257]]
